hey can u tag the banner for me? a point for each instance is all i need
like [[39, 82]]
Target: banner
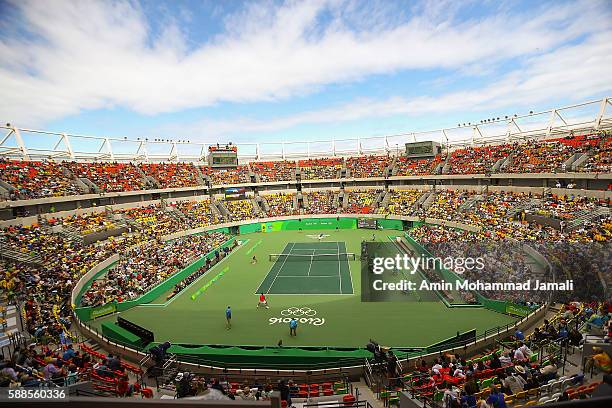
[[103, 310], [517, 310]]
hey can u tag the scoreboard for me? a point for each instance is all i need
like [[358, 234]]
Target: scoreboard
[[368, 223], [423, 149], [235, 193], [223, 156]]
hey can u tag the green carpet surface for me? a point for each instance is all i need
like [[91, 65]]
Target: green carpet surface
[[336, 319]]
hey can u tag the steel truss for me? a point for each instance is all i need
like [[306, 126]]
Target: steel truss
[[535, 125]]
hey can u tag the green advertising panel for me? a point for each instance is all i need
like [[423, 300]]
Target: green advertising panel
[[300, 224], [517, 310], [390, 224], [103, 310]]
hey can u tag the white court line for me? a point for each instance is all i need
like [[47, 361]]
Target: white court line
[[279, 269], [339, 275], [350, 275], [311, 259]]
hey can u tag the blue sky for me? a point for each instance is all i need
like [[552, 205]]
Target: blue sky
[[291, 71]]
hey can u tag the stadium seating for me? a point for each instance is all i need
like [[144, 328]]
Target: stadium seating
[[274, 170], [109, 177], [361, 202], [367, 166], [172, 175], [238, 175], [318, 169], [281, 204], [33, 179], [417, 167]]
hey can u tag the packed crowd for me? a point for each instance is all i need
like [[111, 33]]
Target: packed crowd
[[321, 202], [367, 166], [109, 176], [401, 202], [172, 175], [565, 207], [417, 167], [281, 204], [477, 160], [48, 285], [144, 266], [601, 159], [36, 179], [240, 210], [238, 175], [46, 288], [197, 213], [86, 223], [274, 170], [361, 201], [548, 155], [324, 168]]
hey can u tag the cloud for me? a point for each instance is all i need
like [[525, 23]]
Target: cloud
[[572, 72], [86, 55]]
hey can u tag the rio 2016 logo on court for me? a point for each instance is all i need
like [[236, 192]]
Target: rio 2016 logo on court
[[303, 315]]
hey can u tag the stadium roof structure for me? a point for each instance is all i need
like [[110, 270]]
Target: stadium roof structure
[[30, 144]]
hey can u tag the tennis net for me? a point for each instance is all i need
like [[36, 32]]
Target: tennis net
[[345, 256]]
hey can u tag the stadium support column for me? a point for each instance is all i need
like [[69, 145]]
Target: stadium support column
[[22, 146]]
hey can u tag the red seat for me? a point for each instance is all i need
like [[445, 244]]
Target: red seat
[[348, 400], [146, 392]]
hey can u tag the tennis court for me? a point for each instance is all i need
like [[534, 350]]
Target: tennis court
[[320, 268]]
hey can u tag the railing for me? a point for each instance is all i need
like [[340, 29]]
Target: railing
[[534, 125], [339, 404]]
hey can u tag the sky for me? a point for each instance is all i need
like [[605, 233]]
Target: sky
[[269, 71]]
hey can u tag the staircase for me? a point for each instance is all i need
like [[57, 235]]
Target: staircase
[[70, 234], [90, 185], [425, 201], [580, 162], [222, 210], [336, 202], [382, 199], [343, 199], [584, 216], [262, 203], [200, 177], [524, 206], [9, 253], [151, 182], [388, 172], [470, 202], [257, 208]]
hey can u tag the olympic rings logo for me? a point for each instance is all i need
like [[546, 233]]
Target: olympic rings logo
[[299, 312]]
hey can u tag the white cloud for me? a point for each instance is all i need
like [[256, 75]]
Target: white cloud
[[571, 72], [91, 54]]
